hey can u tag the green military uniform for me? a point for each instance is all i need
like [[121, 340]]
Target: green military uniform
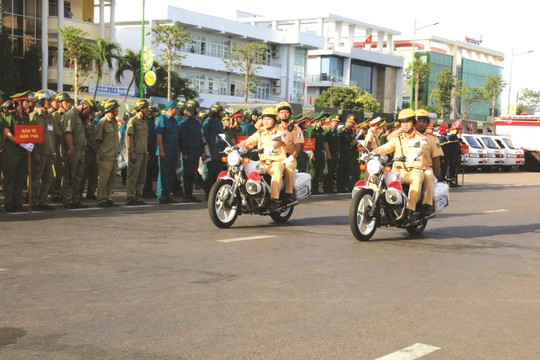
[[346, 138], [136, 171], [107, 158], [56, 186], [232, 133], [302, 159], [42, 168], [73, 169], [90, 161], [319, 159], [332, 139], [15, 163]]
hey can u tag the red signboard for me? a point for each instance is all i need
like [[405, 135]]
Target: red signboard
[[25, 134], [309, 144]]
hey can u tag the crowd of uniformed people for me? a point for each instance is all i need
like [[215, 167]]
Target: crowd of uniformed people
[[86, 145]]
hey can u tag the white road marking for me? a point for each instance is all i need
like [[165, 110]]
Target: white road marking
[[247, 238], [182, 203], [137, 206], [410, 353], [84, 209], [495, 211]]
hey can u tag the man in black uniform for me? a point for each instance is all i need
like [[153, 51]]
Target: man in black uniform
[[346, 141], [331, 147], [317, 132]]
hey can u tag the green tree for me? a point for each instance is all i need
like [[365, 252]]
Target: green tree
[[469, 96], [130, 61], [79, 50], [529, 99], [9, 76], [349, 98], [103, 53], [29, 69], [173, 38], [442, 94], [179, 85], [493, 86], [246, 59], [421, 74]]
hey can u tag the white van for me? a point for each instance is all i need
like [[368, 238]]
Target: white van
[[477, 155], [514, 156], [494, 152]]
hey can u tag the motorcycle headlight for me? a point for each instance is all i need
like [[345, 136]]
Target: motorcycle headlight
[[233, 158], [373, 167]]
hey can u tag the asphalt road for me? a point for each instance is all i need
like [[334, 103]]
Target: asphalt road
[[161, 282]]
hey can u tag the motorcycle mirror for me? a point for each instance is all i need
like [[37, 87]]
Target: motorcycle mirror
[[224, 138]]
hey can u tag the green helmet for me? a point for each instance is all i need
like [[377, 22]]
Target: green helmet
[[91, 104], [255, 111], [191, 107], [8, 105], [63, 96], [141, 104], [110, 105], [42, 95]]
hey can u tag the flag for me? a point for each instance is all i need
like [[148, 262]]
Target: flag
[[290, 97], [368, 40], [310, 100]]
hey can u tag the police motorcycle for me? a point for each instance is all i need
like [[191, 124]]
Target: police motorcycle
[[244, 188], [381, 199]]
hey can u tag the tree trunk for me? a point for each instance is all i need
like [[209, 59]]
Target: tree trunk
[[76, 80], [129, 87], [95, 91], [169, 66], [246, 85]]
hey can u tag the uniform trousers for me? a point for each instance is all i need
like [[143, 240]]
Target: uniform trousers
[[275, 170], [15, 169], [414, 178], [106, 179], [166, 175], [136, 176], [73, 172], [318, 169], [428, 187], [289, 174], [41, 179]]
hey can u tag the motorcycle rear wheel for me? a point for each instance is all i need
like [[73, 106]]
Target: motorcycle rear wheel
[[221, 214], [417, 229], [281, 217], [361, 227]]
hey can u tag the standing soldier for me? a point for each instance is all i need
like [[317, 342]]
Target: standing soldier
[[331, 147], [137, 145], [319, 162], [372, 138], [107, 145], [15, 158], [248, 125], [190, 136], [90, 159], [44, 153], [346, 141], [443, 131], [65, 103], [152, 163], [293, 138], [168, 150], [212, 128]]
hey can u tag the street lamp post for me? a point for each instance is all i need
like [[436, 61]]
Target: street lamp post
[[510, 79], [141, 86], [412, 102]]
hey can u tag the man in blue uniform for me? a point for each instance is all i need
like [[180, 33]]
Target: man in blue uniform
[[211, 129], [190, 136], [168, 151]]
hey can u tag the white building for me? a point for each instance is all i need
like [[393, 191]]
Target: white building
[[284, 67], [354, 54]]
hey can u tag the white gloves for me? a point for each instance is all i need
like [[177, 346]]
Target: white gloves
[[288, 160], [268, 150], [411, 158]]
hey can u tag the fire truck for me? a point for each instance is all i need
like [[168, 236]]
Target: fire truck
[[525, 133]]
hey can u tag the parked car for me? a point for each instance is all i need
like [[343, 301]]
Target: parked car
[[514, 156], [495, 155], [476, 156]]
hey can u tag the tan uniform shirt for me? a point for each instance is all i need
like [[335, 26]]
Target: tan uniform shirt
[[263, 139], [107, 134], [435, 149], [73, 123], [372, 140], [137, 128], [37, 117], [291, 138], [408, 145]]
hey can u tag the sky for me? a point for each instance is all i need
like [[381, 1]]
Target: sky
[[505, 27]]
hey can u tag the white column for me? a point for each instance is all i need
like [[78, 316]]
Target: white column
[[112, 37], [101, 18], [352, 30], [380, 41], [337, 34], [44, 43], [60, 57], [390, 43]]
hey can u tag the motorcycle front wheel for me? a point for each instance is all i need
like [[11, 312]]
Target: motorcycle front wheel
[[362, 226], [281, 217], [222, 214]]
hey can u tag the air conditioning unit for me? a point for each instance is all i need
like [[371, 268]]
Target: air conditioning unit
[[274, 47], [276, 83], [276, 90], [275, 54]]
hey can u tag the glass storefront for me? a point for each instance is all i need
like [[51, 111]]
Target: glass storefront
[[22, 20]]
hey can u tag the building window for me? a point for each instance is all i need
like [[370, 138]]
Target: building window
[[199, 44], [362, 74], [196, 82], [219, 47], [263, 90], [299, 73], [217, 85], [332, 66]]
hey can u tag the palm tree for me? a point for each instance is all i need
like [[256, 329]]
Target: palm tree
[[130, 61], [104, 52]]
